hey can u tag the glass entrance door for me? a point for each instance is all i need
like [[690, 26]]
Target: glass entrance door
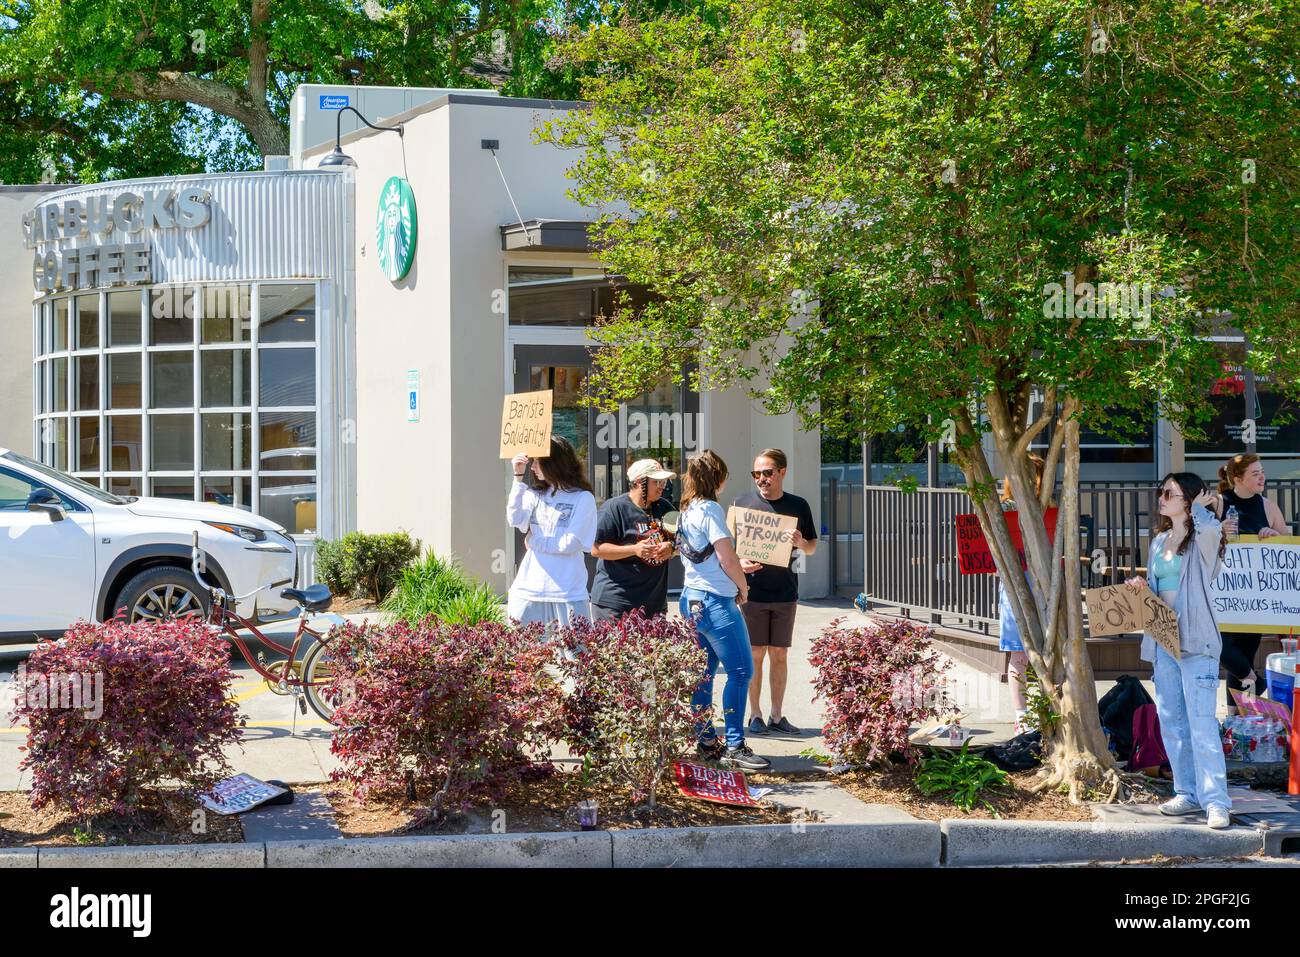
[[662, 423]]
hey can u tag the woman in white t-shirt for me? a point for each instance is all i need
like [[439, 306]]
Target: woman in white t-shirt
[[559, 522], [712, 592]]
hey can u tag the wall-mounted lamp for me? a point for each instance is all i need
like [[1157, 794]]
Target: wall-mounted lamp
[[337, 158]]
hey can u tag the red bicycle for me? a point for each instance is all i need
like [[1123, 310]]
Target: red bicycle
[[305, 680]]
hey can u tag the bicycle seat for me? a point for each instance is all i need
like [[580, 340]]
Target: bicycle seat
[[314, 598]]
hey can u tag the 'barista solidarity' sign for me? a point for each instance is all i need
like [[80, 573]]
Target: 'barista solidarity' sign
[[1258, 588]]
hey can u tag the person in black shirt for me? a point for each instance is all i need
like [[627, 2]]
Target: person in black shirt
[[774, 590], [1241, 486], [632, 546]]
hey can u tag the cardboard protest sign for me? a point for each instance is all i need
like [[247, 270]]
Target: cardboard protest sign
[[1258, 588], [526, 424], [1264, 707], [760, 535], [710, 784], [973, 554], [243, 792], [1119, 609]]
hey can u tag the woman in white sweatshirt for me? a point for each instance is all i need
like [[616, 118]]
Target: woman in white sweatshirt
[[559, 522]]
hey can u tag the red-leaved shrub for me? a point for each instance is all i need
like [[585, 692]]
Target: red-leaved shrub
[[876, 682], [113, 709], [629, 713], [464, 709]]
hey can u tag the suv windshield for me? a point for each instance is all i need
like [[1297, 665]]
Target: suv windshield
[[68, 480]]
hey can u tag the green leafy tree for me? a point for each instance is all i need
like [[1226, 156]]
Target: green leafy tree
[[122, 87], [860, 209]]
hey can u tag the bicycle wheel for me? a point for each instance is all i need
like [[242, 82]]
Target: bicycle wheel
[[318, 669]]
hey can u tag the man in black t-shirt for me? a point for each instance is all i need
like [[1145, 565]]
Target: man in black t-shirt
[[774, 590], [632, 546]]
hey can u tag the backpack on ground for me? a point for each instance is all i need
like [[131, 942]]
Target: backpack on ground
[[1116, 710], [1021, 753], [1148, 747]]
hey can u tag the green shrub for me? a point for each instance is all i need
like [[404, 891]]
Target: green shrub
[[365, 565], [967, 777], [439, 586]]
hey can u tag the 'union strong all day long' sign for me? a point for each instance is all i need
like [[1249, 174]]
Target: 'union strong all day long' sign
[[1258, 588]]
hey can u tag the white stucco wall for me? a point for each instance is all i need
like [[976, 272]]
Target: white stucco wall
[[16, 318]]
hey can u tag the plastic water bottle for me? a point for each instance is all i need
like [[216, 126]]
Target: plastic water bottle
[[1231, 516]]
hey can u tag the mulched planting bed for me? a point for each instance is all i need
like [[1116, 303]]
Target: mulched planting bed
[[346, 605], [539, 806], [895, 786], [166, 818]]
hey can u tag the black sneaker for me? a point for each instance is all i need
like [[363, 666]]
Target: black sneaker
[[745, 759], [711, 750], [783, 726], [757, 725]]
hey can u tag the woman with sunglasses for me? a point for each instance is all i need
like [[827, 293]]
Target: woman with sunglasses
[[1186, 553]]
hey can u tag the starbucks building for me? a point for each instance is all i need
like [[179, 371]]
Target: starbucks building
[[329, 345]]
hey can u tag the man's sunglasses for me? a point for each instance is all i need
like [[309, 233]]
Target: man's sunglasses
[[766, 473]]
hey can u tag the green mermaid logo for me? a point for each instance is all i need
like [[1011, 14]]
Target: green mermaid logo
[[396, 228]]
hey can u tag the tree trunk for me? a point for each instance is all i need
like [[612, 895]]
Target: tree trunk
[[1075, 754]]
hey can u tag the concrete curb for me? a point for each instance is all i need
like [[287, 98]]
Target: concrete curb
[[948, 843], [572, 849], [891, 844], [982, 843], [155, 855]]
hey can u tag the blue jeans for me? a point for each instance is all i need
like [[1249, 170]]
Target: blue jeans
[[1185, 692], [720, 630]]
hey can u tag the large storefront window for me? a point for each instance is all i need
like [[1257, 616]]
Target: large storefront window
[[203, 393], [1241, 398]]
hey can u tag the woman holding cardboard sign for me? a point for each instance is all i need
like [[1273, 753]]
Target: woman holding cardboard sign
[[1241, 489], [1186, 552], [558, 518]]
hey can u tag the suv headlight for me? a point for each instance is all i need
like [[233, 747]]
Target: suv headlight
[[247, 534]]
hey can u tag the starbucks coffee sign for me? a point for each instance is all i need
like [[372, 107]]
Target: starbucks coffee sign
[[396, 228], [126, 220]]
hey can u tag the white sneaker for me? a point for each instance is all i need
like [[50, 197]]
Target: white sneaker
[[1218, 818], [1179, 805]]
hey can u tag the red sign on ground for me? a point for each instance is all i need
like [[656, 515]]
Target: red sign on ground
[[710, 784], [973, 553]]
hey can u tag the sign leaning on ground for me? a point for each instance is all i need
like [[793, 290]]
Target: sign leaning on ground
[[973, 555], [1119, 610], [526, 424], [1258, 588], [760, 535], [240, 793]]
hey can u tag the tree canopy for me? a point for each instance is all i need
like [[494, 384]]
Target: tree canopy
[[96, 88], [883, 214]]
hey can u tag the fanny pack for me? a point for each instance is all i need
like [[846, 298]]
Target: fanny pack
[[693, 555]]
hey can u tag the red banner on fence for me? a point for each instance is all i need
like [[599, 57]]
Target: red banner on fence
[[973, 553], [710, 784]]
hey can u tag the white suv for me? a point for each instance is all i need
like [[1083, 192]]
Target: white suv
[[69, 550]]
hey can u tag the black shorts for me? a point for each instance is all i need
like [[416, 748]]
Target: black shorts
[[770, 623]]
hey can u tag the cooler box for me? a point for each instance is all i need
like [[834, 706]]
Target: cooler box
[[1280, 686]]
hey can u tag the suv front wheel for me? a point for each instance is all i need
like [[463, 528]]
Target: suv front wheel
[[163, 594]]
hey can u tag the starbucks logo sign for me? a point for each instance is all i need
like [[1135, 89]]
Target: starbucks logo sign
[[396, 228]]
